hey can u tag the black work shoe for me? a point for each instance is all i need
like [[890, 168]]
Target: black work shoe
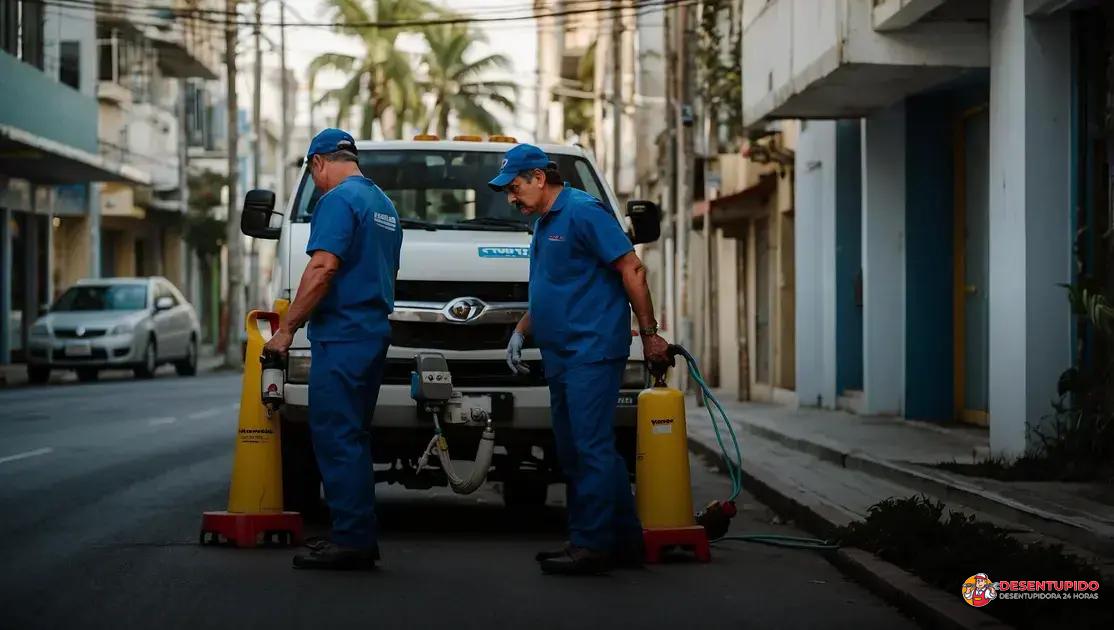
[[578, 561], [553, 553], [328, 555], [319, 542]]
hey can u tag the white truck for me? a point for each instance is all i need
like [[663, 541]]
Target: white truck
[[461, 287]]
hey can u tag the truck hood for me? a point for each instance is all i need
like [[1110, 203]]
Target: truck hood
[[465, 255], [442, 255]]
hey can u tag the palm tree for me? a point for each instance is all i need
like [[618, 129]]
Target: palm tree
[[381, 79], [459, 86]]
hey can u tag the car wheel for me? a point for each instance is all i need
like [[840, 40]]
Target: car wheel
[[38, 374], [88, 375], [188, 365], [519, 492], [147, 368]]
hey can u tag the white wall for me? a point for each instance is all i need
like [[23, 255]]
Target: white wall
[[727, 313], [814, 251], [884, 262], [1030, 235], [790, 47], [70, 24]]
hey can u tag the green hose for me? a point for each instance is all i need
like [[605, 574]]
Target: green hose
[[735, 465]]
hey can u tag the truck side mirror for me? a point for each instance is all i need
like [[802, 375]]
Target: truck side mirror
[[645, 218], [255, 220]]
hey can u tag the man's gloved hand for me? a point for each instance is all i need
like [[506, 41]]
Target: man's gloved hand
[[514, 354]]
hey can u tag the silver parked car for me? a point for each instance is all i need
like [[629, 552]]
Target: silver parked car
[[137, 323]]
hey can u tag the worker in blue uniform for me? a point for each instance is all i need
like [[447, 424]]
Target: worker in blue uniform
[[585, 278], [346, 294]]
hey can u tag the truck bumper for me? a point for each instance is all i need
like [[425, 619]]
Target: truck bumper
[[396, 409]]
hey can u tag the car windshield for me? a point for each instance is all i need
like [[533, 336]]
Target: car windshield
[[447, 188], [112, 297]]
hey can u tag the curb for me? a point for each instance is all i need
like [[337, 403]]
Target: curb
[[970, 495], [908, 593], [204, 366]]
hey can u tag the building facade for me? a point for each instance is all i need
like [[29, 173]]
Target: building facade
[[49, 161], [952, 171]]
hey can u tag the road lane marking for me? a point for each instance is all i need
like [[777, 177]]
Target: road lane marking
[[19, 456], [158, 421], [208, 413]]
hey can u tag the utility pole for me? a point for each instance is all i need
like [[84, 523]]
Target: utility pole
[[232, 234], [256, 146], [684, 171], [616, 92], [284, 139], [669, 196], [185, 276]]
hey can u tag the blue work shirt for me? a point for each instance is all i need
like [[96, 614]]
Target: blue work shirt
[[579, 310], [358, 224]]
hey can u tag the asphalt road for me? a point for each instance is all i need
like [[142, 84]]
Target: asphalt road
[[102, 486]]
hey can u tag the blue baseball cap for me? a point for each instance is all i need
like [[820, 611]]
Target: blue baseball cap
[[331, 140], [523, 157]]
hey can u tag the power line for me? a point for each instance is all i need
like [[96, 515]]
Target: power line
[[221, 16]]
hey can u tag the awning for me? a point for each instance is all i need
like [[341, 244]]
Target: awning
[[44, 161], [746, 205], [175, 59]]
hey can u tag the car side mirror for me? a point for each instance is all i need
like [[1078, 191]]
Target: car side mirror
[[164, 303], [255, 220], [645, 218]]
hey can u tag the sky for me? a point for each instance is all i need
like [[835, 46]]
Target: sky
[[517, 40]]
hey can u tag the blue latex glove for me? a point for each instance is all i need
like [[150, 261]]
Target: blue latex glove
[[514, 354]]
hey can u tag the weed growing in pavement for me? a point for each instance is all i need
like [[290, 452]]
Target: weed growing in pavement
[[1076, 441], [915, 534]]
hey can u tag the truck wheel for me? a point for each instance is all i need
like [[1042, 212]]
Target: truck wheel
[[301, 481], [524, 493]]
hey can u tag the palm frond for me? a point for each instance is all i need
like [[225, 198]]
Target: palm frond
[[482, 66], [329, 61], [471, 112]]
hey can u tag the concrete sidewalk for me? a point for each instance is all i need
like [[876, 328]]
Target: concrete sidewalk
[[15, 374], [836, 465]]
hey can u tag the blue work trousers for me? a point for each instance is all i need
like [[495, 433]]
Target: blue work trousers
[[344, 382], [583, 399]]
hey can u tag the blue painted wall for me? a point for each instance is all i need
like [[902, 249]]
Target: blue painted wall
[[930, 189], [849, 255], [57, 112]]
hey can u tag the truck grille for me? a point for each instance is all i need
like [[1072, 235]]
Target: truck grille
[[445, 336], [494, 374], [445, 291]]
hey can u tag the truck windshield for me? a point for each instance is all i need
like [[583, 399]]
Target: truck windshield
[[446, 188]]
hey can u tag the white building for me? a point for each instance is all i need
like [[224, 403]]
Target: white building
[[945, 165]]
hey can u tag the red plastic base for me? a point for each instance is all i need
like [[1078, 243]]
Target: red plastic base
[[693, 538], [244, 530]]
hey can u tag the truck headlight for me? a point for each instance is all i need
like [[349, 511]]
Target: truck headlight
[[122, 329], [297, 366], [636, 376], [40, 330]]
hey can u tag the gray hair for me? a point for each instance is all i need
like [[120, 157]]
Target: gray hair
[[339, 156]]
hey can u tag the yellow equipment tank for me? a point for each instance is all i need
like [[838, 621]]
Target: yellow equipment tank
[[663, 492]]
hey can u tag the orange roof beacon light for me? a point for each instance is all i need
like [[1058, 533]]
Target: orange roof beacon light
[[468, 138], [426, 137], [507, 139]]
